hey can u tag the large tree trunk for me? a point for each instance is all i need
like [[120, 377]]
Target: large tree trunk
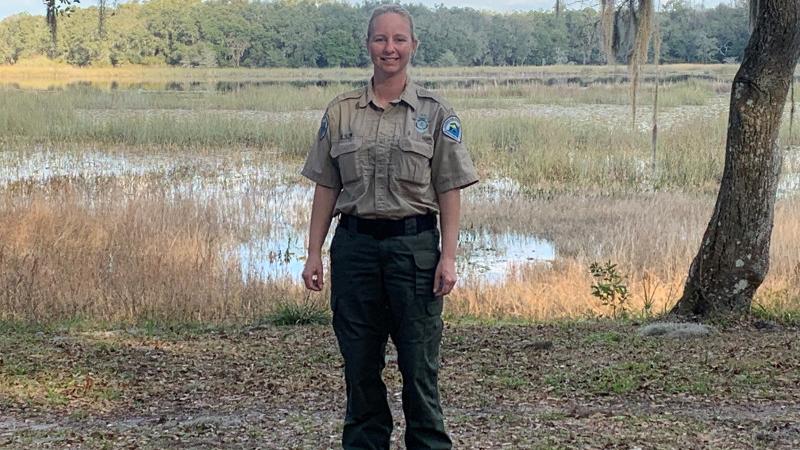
[[734, 254]]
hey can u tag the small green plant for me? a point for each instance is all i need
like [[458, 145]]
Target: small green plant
[[305, 312], [649, 287], [609, 287]]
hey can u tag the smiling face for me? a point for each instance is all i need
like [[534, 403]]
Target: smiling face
[[391, 44]]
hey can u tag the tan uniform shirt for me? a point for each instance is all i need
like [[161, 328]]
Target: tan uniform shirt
[[389, 163]]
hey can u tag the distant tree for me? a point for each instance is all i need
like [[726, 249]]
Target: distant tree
[[56, 8], [734, 254], [302, 33], [447, 59], [22, 36], [583, 35], [102, 14]]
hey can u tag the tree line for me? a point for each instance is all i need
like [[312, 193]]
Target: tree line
[[290, 33]]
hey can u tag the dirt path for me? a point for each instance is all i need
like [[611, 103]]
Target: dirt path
[[595, 385]]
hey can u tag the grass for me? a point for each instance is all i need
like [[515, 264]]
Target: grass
[[54, 119], [40, 73], [169, 265], [671, 94], [309, 311], [539, 152], [147, 205]]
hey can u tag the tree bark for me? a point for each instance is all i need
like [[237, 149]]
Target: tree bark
[[734, 254], [52, 24]]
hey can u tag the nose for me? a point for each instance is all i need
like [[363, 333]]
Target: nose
[[389, 48]]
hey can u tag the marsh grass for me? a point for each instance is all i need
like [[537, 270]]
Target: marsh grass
[[693, 92], [153, 247], [539, 152], [149, 260], [41, 73], [653, 238], [51, 118], [545, 154], [123, 260], [273, 98]]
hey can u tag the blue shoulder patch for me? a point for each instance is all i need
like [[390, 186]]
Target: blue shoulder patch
[[451, 127], [323, 127]]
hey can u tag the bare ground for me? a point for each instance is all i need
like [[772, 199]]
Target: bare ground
[[578, 385]]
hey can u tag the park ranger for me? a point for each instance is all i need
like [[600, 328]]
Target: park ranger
[[388, 158]]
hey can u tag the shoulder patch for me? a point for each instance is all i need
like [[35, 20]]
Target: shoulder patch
[[451, 127], [323, 127]]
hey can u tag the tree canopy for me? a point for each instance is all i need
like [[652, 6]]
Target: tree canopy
[[233, 33]]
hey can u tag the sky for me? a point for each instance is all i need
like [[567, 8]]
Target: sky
[[9, 7]]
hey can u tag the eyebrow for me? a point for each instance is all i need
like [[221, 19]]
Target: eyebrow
[[396, 35]]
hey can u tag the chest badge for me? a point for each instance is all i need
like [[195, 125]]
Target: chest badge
[[421, 124], [451, 127]]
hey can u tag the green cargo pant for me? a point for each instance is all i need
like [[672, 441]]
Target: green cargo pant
[[382, 288]]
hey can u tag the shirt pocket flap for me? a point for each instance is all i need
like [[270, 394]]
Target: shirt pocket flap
[[426, 260], [419, 147], [345, 146]]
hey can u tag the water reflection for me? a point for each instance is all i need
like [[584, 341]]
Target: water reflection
[[484, 256], [491, 257], [533, 77]]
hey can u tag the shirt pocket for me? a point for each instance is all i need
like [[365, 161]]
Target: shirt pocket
[[413, 162], [345, 153]]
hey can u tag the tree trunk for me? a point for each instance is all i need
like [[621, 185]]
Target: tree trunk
[[52, 24], [734, 255]]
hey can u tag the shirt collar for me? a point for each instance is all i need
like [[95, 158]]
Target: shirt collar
[[409, 95]]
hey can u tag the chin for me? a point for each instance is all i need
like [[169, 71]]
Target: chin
[[389, 71]]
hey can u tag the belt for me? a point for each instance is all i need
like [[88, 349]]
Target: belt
[[385, 228]]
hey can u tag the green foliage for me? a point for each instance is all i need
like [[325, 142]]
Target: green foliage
[[447, 59], [609, 287], [195, 33], [306, 312]]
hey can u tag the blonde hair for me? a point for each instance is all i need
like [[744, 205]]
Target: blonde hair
[[390, 8]]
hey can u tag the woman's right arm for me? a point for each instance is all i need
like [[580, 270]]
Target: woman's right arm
[[321, 215]]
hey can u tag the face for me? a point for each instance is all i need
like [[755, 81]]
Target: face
[[390, 46]]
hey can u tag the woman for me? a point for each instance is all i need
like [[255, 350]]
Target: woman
[[388, 157]]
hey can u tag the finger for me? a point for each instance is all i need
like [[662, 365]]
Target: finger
[[318, 281], [437, 282], [448, 286]]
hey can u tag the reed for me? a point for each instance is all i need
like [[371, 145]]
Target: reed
[[161, 242], [692, 92]]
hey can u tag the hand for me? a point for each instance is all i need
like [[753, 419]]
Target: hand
[[312, 273], [445, 277]]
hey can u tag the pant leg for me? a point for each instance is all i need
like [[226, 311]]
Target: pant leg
[[361, 324], [416, 330]]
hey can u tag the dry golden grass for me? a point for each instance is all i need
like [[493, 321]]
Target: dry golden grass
[[41, 73], [652, 238], [555, 291], [125, 261], [149, 258]]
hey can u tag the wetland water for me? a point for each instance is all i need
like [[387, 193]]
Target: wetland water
[[265, 197]]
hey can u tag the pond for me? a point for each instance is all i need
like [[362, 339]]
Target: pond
[[273, 243]]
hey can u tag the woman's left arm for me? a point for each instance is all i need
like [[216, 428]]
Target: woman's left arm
[[450, 208]]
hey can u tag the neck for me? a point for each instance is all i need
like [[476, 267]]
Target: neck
[[388, 88]]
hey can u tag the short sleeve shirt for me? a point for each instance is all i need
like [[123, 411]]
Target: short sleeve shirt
[[389, 163]]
